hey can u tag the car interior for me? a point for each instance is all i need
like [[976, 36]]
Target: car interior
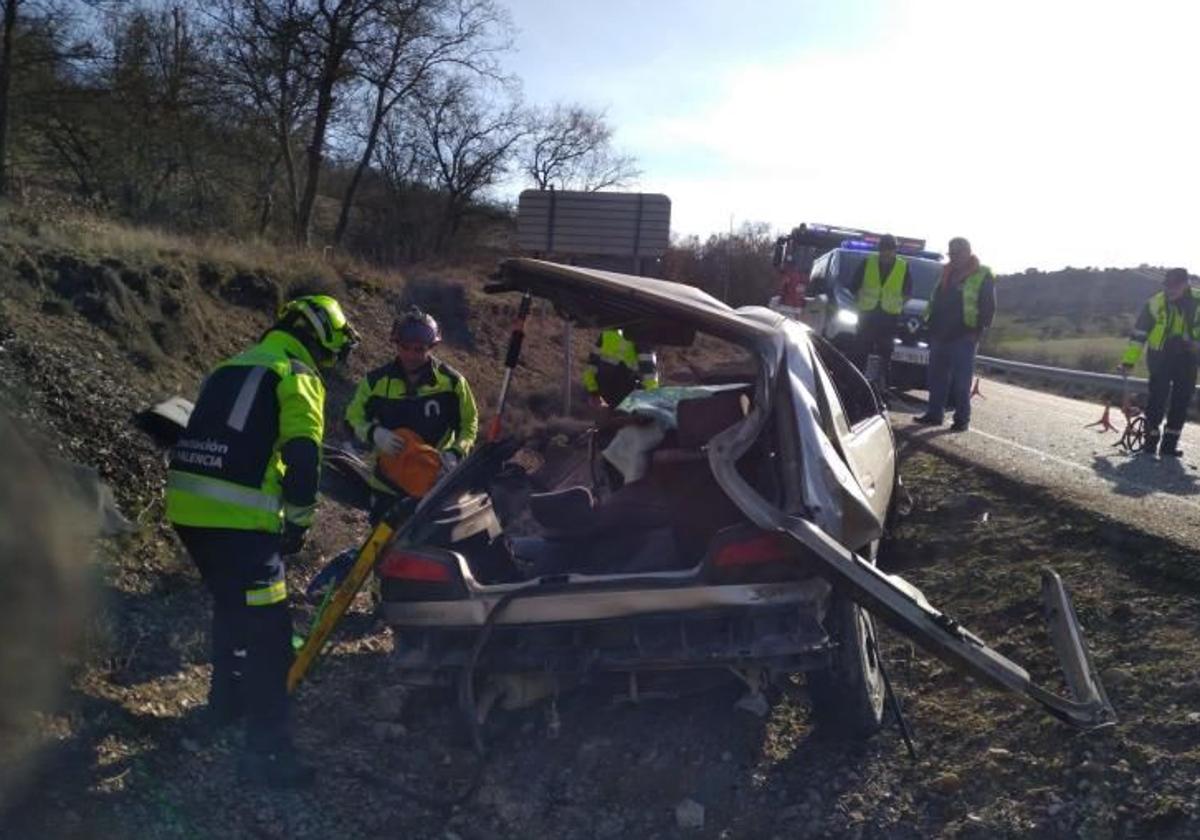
[[662, 521], [666, 517]]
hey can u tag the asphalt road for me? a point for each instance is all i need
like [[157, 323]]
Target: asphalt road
[[1040, 439]]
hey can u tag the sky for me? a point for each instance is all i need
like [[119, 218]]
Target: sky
[[1049, 133]]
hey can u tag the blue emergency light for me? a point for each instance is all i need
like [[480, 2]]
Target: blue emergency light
[[859, 245], [907, 247]]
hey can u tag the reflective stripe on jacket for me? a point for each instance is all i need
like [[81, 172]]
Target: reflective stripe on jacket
[[1159, 321], [613, 348], [226, 470], [886, 294]]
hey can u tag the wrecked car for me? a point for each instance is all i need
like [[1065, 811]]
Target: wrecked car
[[729, 524]]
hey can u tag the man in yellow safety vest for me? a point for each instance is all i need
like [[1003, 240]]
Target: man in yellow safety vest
[[1167, 326], [961, 309], [242, 494], [617, 367], [883, 282]]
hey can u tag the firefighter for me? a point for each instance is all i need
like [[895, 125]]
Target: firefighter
[[616, 368], [883, 282], [961, 308], [414, 391], [1167, 326], [241, 494]]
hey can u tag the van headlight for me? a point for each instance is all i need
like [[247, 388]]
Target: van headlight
[[848, 317]]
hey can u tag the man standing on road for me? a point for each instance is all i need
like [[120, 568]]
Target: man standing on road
[[882, 282], [1167, 326], [961, 308], [415, 391], [241, 494]]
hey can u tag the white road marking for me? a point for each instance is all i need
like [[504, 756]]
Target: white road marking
[[1064, 462]]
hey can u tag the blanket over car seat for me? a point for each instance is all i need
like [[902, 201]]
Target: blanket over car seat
[[630, 449]]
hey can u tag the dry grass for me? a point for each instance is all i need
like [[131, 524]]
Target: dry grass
[[85, 232], [1096, 353]]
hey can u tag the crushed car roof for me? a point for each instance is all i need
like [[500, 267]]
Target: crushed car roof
[[594, 298]]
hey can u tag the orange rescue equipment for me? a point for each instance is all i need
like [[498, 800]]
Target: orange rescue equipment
[[413, 469]]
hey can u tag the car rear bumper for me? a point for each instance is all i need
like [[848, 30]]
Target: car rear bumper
[[584, 602], [777, 625]]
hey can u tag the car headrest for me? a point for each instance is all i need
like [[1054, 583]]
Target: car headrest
[[698, 419]]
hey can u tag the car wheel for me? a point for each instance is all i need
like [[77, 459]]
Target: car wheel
[[848, 696]]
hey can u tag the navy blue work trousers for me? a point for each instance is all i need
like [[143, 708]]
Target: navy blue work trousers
[[251, 642], [951, 371]]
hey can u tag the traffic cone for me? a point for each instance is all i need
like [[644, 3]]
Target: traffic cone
[[1105, 423]]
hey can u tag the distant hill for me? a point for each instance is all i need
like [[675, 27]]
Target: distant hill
[[1075, 318], [1082, 295]]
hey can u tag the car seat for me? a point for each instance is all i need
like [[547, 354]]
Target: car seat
[[697, 504]]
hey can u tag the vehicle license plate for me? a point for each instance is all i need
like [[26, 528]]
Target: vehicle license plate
[[912, 355]]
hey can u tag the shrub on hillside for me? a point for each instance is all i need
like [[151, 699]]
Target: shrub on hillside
[[446, 301]]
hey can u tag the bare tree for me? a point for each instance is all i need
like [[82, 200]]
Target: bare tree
[[469, 144], [337, 32], [414, 39], [399, 153], [9, 25], [156, 79], [570, 147], [406, 226], [33, 37], [266, 60]]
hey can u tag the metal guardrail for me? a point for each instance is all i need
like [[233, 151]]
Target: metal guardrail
[[1069, 376], [1072, 377]]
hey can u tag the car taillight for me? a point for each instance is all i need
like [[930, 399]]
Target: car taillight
[[757, 551], [406, 565], [424, 574]]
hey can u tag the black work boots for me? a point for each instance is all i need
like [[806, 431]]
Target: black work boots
[[1166, 445], [1169, 448], [1150, 442]]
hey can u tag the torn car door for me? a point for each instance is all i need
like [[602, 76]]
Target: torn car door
[[890, 597]]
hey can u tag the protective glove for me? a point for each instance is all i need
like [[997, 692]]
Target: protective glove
[[449, 460], [292, 541], [385, 442]]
